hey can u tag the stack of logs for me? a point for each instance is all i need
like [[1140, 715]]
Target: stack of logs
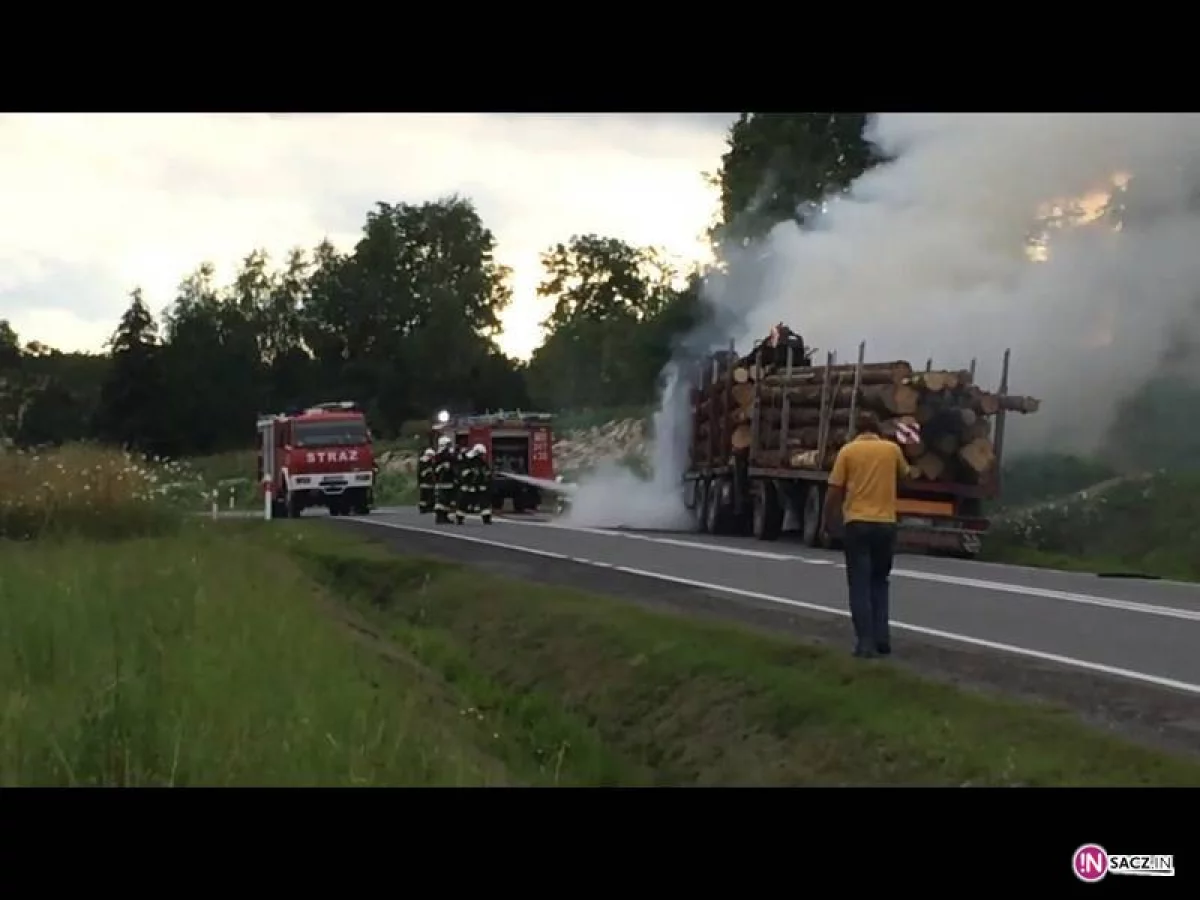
[[953, 414]]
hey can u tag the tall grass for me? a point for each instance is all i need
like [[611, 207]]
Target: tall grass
[[81, 490], [202, 658], [139, 646]]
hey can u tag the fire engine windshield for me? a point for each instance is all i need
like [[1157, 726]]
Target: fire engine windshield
[[338, 433]]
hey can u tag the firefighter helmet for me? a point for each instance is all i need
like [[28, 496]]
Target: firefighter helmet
[[479, 450], [427, 453], [443, 442]]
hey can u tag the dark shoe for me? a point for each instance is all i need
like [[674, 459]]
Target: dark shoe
[[883, 649], [862, 653]]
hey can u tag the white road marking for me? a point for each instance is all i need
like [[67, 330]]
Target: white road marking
[[674, 542], [1130, 674], [1149, 609]]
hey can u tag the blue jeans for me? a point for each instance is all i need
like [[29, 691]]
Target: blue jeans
[[869, 548]]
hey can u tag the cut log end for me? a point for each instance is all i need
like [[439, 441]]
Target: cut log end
[[741, 438], [979, 455], [930, 466]]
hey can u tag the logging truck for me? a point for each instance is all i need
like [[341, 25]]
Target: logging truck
[[766, 429]]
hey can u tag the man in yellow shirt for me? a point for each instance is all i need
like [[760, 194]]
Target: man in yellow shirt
[[862, 495]]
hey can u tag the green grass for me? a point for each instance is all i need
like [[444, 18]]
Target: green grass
[[593, 691], [242, 653], [201, 659], [1035, 478], [82, 490], [1149, 525]]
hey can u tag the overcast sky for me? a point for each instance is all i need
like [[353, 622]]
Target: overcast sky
[[95, 205]]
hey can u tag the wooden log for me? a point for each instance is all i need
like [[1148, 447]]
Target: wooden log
[[944, 444], [981, 429], [872, 373], [934, 382], [982, 402], [807, 437], [930, 466], [810, 395], [808, 459], [883, 397], [742, 394], [741, 438], [801, 438], [741, 375], [1012, 403], [979, 455], [772, 416], [897, 399]]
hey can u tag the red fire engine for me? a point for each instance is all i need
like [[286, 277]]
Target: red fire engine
[[320, 456], [520, 443]]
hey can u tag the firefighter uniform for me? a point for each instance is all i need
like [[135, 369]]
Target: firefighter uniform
[[425, 480], [444, 477], [475, 492]]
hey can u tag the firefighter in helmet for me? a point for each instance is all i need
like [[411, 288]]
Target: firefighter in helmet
[[464, 486], [476, 482], [425, 480], [444, 476], [482, 496]]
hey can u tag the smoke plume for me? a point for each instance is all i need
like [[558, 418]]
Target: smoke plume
[[928, 256]]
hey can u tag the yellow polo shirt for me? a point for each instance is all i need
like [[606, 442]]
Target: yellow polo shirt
[[869, 468]]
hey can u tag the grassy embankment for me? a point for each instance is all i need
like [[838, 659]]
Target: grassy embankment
[[1068, 513], [139, 646]]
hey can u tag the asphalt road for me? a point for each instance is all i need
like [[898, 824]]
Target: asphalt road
[[1138, 630]]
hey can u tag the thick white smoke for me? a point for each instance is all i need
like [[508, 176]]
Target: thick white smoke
[[613, 497], [926, 256]]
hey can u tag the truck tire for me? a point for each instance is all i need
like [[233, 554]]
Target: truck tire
[[716, 516], [810, 524], [767, 521], [293, 506]]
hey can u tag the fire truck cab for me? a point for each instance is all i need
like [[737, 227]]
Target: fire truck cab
[[518, 442], [319, 456]]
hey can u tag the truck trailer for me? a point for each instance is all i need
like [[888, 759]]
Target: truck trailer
[[765, 432]]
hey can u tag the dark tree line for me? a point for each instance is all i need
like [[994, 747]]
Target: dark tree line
[[406, 322]]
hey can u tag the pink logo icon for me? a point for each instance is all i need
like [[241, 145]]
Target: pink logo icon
[[1090, 863]]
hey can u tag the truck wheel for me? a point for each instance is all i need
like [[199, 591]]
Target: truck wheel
[[810, 527], [767, 513], [293, 506], [716, 517], [701, 508]]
